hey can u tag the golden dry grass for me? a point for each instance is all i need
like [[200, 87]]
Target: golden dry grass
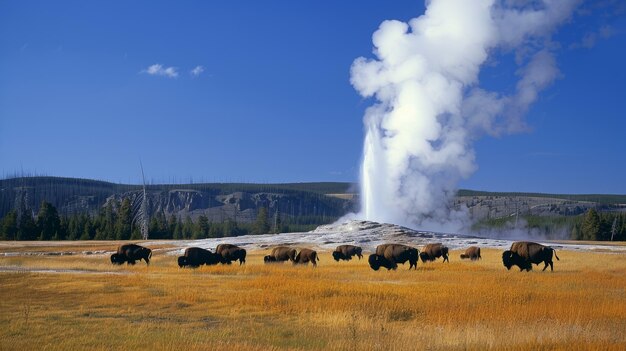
[[345, 306]]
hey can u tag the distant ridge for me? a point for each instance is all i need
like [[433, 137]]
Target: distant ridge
[[598, 198], [220, 201]]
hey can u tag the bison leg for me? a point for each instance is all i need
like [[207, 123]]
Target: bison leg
[[445, 258], [130, 261]]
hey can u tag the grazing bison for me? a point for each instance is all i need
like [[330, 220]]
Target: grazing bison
[[269, 259], [281, 254], [389, 255], [524, 253], [345, 252], [196, 256], [305, 256], [472, 252], [432, 252], [376, 261], [230, 253], [130, 253]]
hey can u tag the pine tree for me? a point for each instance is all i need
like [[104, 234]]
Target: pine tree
[[172, 223], [591, 225], [48, 222], [108, 218], [123, 225], [9, 226], [202, 232], [261, 226], [87, 231], [278, 223], [27, 230], [188, 228], [178, 230]]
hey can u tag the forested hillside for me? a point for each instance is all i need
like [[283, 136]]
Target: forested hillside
[[102, 210], [67, 208]]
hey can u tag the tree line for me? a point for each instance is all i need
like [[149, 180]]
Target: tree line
[[590, 225], [115, 222], [600, 226]]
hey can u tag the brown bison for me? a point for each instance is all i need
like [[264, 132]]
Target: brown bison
[[130, 253], [305, 256], [196, 256], [472, 253], [524, 253], [230, 253], [432, 252], [281, 254], [345, 252], [389, 255]]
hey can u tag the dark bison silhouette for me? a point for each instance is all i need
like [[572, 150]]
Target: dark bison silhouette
[[305, 256], [432, 252], [524, 253], [389, 255], [281, 254], [130, 253], [230, 253], [472, 253], [195, 257], [345, 252]]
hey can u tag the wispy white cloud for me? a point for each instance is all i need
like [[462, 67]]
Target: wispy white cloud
[[158, 70], [590, 39], [197, 71]]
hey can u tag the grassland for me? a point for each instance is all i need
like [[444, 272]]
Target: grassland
[[344, 306]]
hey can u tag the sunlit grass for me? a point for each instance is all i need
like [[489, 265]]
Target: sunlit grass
[[346, 306]]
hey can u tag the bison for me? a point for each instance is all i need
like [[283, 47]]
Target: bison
[[472, 253], [524, 253], [281, 254], [389, 255], [196, 256], [345, 252], [432, 252], [305, 256], [230, 253], [130, 253]]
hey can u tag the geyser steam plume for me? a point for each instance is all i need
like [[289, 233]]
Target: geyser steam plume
[[430, 108]]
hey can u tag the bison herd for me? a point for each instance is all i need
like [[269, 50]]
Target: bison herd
[[522, 254]]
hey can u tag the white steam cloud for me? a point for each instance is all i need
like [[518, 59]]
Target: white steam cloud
[[430, 107]]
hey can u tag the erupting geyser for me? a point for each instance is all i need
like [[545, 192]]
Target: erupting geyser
[[429, 106]]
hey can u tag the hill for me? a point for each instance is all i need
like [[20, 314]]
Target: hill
[[218, 201]]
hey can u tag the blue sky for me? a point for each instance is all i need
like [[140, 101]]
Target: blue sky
[[274, 101]]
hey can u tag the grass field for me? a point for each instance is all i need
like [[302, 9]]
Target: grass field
[[345, 306]]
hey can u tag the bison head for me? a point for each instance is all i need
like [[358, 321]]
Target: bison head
[[507, 259], [182, 261], [424, 257], [269, 259], [510, 259], [337, 256], [373, 261], [117, 259]]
